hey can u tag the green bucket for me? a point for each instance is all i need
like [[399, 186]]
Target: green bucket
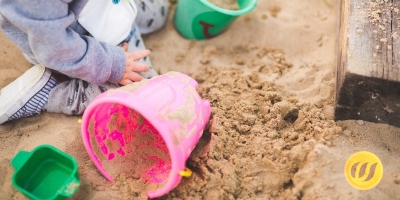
[[200, 19], [45, 173]]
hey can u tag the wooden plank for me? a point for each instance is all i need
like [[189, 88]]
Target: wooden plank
[[368, 69]]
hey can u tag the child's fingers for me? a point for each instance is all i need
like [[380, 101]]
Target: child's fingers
[[124, 46], [135, 77], [140, 67], [125, 82], [137, 55], [130, 78]]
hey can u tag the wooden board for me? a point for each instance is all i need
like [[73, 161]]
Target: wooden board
[[368, 70]]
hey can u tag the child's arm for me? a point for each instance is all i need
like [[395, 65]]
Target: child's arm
[[55, 45]]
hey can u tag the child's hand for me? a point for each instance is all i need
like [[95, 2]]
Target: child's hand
[[132, 66]]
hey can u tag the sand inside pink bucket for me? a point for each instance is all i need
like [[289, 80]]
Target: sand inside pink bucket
[[226, 4], [131, 149]]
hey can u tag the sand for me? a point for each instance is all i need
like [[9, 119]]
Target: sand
[[270, 79]]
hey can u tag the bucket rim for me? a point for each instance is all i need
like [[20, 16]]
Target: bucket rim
[[238, 12]]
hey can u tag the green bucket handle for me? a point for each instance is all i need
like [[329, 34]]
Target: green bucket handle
[[247, 5], [71, 186], [20, 159]]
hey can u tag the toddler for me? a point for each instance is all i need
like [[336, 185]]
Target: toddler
[[79, 49]]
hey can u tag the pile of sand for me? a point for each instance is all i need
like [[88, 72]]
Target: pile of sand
[[259, 139]]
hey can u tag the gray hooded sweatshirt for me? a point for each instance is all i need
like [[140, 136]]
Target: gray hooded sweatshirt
[[47, 32]]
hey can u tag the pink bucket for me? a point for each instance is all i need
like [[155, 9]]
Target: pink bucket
[[150, 130]]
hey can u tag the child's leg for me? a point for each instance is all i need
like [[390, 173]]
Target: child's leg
[[37, 89], [136, 43], [73, 96], [27, 95], [152, 15]]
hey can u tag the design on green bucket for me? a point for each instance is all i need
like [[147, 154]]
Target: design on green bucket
[[210, 24], [206, 27]]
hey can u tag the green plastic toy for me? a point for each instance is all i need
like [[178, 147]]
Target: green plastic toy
[[45, 173], [200, 19]]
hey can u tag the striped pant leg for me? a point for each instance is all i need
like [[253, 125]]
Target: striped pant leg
[[35, 105]]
